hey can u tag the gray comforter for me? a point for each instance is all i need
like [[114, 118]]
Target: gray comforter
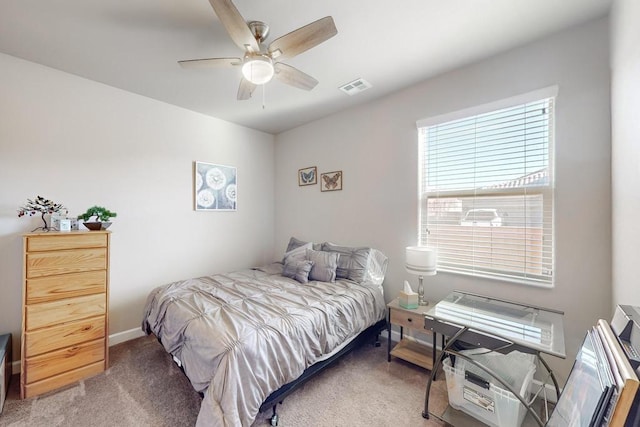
[[240, 336]]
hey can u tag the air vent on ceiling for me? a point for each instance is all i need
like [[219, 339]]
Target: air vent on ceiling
[[356, 86]]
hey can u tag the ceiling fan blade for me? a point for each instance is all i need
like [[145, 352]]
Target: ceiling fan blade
[[245, 90], [294, 77], [235, 24], [304, 38], [210, 62]]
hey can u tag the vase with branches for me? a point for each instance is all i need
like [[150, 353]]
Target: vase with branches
[[41, 206]]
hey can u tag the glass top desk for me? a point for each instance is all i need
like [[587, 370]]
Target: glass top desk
[[496, 325]]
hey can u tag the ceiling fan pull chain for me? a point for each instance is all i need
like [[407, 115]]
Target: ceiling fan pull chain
[[263, 96]]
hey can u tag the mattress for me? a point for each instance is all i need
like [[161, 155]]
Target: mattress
[[241, 336]]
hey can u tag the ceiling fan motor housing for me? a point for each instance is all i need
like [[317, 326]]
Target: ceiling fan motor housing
[[259, 29]]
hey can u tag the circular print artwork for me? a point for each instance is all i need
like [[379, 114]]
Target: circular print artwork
[[216, 178], [206, 198], [215, 187]]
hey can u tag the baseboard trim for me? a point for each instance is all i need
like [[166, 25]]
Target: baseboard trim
[[114, 339], [123, 336]]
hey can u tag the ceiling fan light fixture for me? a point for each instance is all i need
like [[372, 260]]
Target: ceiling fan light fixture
[[258, 69]]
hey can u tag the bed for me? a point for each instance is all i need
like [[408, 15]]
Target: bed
[[246, 338]]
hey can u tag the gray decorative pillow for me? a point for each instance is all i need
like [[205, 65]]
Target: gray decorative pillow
[[297, 253], [353, 262], [296, 243], [324, 265], [297, 269]]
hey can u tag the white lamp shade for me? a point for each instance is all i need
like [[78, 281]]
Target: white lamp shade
[[421, 260], [258, 70]]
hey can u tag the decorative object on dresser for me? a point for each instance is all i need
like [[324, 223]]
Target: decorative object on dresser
[[215, 187], [65, 309], [102, 217], [60, 221], [5, 367], [307, 176], [40, 206], [331, 181], [421, 261]]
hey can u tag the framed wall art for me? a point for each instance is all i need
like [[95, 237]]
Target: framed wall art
[[308, 176], [331, 181], [215, 187]]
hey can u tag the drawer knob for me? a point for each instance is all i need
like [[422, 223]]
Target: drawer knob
[[410, 320]]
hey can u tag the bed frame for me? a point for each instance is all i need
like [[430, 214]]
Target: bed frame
[[372, 334]]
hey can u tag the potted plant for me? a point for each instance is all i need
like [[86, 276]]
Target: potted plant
[[101, 215], [40, 206]]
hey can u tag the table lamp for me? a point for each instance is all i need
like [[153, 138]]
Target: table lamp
[[421, 261]]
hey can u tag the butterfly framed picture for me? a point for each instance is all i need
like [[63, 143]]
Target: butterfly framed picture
[[331, 181], [308, 176]]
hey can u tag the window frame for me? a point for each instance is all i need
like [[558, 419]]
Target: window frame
[[546, 193]]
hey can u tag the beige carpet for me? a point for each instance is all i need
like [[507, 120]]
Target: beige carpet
[[144, 388]]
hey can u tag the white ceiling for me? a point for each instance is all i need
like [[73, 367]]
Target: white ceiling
[[135, 45]]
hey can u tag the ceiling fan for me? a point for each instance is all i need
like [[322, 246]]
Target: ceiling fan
[[261, 63]]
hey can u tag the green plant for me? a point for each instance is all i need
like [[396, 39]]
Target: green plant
[[101, 214]]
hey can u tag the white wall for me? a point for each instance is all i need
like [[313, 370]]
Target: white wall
[[376, 148], [83, 143], [625, 94]]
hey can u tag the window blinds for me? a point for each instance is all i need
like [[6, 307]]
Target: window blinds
[[486, 193]]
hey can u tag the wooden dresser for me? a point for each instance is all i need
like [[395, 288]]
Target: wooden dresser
[[65, 309]]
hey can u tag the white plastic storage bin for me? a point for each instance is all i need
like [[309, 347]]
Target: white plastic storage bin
[[494, 406]]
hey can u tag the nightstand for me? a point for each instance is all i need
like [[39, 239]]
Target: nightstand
[[410, 350]]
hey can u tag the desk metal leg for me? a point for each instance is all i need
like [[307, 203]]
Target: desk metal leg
[[433, 353], [389, 335], [553, 377], [436, 366]]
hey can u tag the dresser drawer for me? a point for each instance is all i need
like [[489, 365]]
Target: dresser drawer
[[407, 319], [74, 260], [58, 312], [57, 381], [51, 288], [68, 334], [59, 361], [54, 242]]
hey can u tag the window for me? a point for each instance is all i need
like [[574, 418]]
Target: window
[[486, 190]]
